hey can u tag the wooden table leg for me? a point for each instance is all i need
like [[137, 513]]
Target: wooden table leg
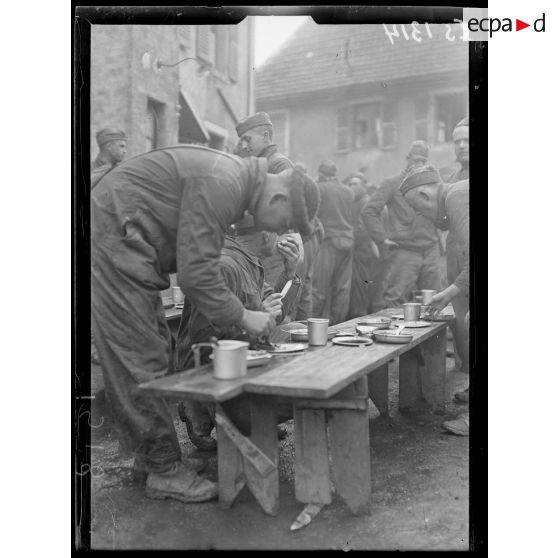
[[312, 484], [258, 464], [378, 382], [434, 382], [409, 381], [263, 416], [229, 469], [350, 450]]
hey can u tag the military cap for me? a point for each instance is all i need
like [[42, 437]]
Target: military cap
[[419, 148], [253, 121], [327, 168], [420, 176], [109, 134], [461, 123]]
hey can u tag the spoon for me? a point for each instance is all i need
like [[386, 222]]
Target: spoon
[[401, 328]]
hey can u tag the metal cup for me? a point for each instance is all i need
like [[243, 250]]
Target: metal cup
[[417, 296], [411, 312], [229, 358], [177, 295], [427, 296], [317, 331]]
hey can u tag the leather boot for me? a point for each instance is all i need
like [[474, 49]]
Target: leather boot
[[180, 483]]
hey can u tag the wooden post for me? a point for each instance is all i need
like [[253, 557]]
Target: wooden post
[[350, 450], [408, 380], [378, 382], [229, 469], [263, 428], [311, 457], [434, 383]]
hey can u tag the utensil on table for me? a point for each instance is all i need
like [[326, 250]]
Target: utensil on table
[[401, 328]]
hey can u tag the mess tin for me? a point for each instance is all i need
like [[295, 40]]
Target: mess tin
[[229, 358], [379, 322]]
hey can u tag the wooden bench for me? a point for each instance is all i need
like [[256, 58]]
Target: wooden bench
[[329, 387]]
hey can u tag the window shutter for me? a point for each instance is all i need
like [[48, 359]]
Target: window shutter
[[185, 35], [204, 42], [233, 53]]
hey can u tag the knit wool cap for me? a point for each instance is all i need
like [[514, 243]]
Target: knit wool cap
[[305, 196], [253, 121], [419, 148], [327, 168], [358, 175], [420, 177], [109, 134], [464, 122]]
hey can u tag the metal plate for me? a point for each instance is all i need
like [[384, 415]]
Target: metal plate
[[285, 348], [384, 337], [353, 341], [417, 324]]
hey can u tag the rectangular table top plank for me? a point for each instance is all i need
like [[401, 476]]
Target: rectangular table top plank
[[199, 384], [323, 371]]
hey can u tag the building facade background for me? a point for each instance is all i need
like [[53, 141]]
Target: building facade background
[[169, 84], [358, 96]]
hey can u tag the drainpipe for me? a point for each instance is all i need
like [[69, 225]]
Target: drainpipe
[[250, 104]]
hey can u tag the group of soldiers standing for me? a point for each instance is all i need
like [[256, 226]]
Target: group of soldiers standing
[[236, 229]]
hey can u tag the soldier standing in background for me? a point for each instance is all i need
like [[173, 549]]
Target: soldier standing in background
[[333, 266], [410, 243], [112, 149]]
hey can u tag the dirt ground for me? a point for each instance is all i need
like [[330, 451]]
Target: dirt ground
[[420, 493]]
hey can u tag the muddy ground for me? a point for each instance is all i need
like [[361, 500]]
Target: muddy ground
[[420, 493]]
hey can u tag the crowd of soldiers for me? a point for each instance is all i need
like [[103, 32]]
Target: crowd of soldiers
[[236, 228]]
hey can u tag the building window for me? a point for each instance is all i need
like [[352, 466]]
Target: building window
[[153, 124], [366, 125], [389, 125], [449, 109], [366, 118], [343, 130], [221, 48], [421, 119], [280, 122]]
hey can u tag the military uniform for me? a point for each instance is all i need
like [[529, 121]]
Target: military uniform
[[331, 286], [244, 275], [416, 262], [162, 212]]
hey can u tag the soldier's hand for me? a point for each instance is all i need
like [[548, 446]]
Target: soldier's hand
[[442, 299], [273, 305], [288, 248], [257, 323]]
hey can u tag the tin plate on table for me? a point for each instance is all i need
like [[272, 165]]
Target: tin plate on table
[[420, 323], [384, 336], [352, 341], [287, 348], [302, 334]]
